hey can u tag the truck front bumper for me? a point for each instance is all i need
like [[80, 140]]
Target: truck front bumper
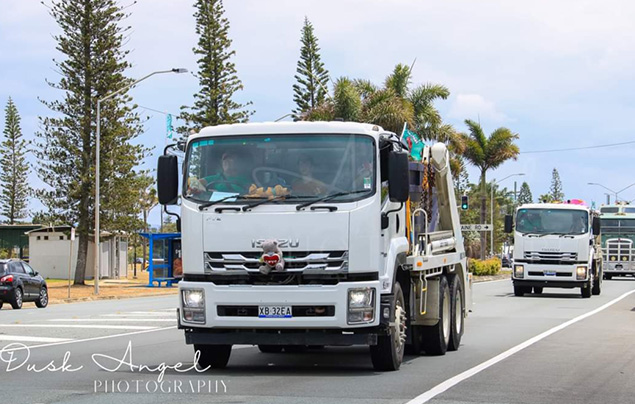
[[552, 276], [619, 268], [235, 307]]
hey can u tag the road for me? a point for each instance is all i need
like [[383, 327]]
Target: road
[[587, 360]]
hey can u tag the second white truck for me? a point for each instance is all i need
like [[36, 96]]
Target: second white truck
[[556, 245]]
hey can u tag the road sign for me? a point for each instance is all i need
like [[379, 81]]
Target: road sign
[[476, 227]]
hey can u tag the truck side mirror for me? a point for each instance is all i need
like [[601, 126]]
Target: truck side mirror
[[596, 226], [509, 223], [398, 179], [168, 180]]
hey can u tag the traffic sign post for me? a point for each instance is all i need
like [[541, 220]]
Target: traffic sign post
[[476, 227]]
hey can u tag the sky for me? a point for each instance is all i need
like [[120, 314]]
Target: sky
[[559, 74]]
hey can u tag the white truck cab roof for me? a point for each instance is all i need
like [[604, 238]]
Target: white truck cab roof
[[263, 128], [564, 206]]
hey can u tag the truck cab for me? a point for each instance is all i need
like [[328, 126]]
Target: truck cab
[[618, 237], [556, 245]]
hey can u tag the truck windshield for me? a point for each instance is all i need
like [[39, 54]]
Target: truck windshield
[[552, 221], [300, 167], [618, 226]]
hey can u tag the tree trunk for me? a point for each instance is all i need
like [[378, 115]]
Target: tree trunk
[[82, 254], [483, 213]]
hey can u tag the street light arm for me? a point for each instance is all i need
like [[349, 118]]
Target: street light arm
[[134, 83], [608, 189], [624, 189]]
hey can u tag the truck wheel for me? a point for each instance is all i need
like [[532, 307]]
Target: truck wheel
[[458, 307], [586, 289], [437, 338], [213, 356], [520, 290], [1, 304], [608, 276], [270, 348], [416, 340], [387, 355], [597, 286], [538, 290]]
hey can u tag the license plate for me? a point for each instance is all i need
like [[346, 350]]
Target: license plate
[[550, 273], [274, 311]]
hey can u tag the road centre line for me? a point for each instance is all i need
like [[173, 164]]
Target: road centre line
[[24, 338], [116, 320], [93, 326], [453, 381]]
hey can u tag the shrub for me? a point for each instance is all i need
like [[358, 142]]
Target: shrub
[[491, 266]]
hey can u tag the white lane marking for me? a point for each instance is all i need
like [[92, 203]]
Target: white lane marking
[[91, 339], [135, 315], [497, 280], [93, 326], [24, 338], [117, 320], [453, 381]]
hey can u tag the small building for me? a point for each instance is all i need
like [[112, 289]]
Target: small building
[[14, 243], [50, 252]]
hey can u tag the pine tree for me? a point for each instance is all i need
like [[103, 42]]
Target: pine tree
[[312, 78], [92, 66], [524, 195], [214, 104], [555, 191], [15, 169]]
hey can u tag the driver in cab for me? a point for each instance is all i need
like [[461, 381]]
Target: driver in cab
[[229, 179]]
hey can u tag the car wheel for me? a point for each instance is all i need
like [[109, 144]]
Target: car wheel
[[43, 299], [16, 302]]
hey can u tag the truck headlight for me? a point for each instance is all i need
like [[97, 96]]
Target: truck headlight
[[519, 271], [193, 298], [361, 305], [193, 305], [580, 273]]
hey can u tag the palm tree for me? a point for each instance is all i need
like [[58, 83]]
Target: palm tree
[[488, 153]]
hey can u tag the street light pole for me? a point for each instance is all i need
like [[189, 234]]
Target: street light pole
[[97, 145], [494, 182]]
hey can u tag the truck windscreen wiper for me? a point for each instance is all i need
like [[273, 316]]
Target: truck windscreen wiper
[[329, 197], [211, 203], [275, 198]]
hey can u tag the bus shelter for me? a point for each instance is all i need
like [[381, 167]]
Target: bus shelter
[[165, 258]]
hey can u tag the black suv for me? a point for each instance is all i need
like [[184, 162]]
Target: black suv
[[20, 283]]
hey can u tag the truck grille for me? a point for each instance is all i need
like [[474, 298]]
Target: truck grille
[[618, 250], [305, 262], [550, 257]]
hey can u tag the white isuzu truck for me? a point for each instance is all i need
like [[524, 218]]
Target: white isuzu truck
[[556, 245], [304, 234]]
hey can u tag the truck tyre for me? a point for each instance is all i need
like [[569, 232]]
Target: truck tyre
[[538, 290], [1, 304], [387, 355], [608, 276], [437, 338], [213, 356], [597, 285], [586, 289], [416, 340], [270, 348], [458, 308], [520, 290]]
